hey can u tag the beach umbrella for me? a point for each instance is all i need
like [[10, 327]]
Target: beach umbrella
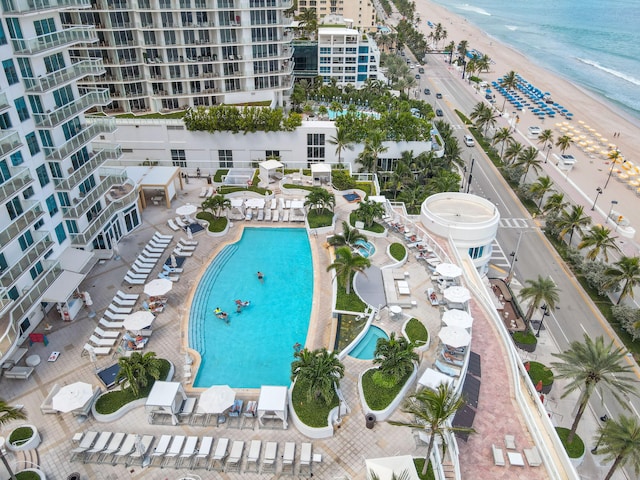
[[448, 270], [71, 397], [186, 210], [138, 320], [457, 294], [157, 287], [457, 318], [455, 337], [216, 399]]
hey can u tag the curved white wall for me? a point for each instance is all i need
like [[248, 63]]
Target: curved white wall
[[471, 221]]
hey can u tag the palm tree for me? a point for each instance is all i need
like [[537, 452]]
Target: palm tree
[[320, 200], [483, 116], [342, 141], [308, 19], [349, 236], [320, 370], [513, 151], [620, 443], [502, 136], [463, 48], [216, 204], [590, 365], [395, 357], [555, 203], [137, 369], [563, 143], [346, 264], [575, 220], [432, 411], [539, 291], [540, 187], [546, 139], [599, 239], [368, 211], [404, 475], [626, 270], [373, 147], [528, 159], [9, 414], [509, 82]]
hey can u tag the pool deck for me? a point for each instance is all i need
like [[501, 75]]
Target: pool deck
[[343, 454]]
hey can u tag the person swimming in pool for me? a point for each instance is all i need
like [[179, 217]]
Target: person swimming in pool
[[261, 277], [240, 305]]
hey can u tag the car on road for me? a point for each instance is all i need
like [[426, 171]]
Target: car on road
[[438, 95], [421, 70], [468, 141], [488, 96], [535, 131], [439, 113], [417, 76], [427, 91]]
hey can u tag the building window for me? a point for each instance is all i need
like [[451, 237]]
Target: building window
[[60, 233], [36, 270], [179, 158], [10, 71], [476, 252], [5, 122], [32, 143], [3, 37], [14, 207], [52, 205], [28, 193], [16, 159], [225, 157], [25, 240], [315, 146], [272, 154], [5, 173], [72, 226], [43, 176], [21, 108]]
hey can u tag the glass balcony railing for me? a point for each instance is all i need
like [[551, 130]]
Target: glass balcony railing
[[74, 71], [27, 260], [4, 103], [97, 127], [85, 238], [78, 210], [97, 159], [9, 141], [20, 224], [16, 7], [91, 98], [66, 37], [14, 184]]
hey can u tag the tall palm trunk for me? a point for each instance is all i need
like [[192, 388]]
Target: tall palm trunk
[[584, 399], [426, 460], [614, 467]]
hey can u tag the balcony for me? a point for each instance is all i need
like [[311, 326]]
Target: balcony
[[89, 100], [4, 103], [85, 238], [14, 184], [63, 38], [78, 210], [9, 141], [96, 127], [20, 224], [27, 260], [98, 158], [56, 79], [18, 7]]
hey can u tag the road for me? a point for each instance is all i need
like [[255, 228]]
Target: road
[[575, 315]]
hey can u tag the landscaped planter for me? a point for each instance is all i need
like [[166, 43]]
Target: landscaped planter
[[536, 374], [579, 450], [37, 471], [525, 342], [395, 403], [28, 444], [423, 347]]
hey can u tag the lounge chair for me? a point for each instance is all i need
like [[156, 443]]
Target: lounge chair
[[144, 264], [167, 269], [269, 460], [248, 214], [182, 224], [274, 204], [85, 444], [186, 248], [254, 455], [113, 447], [267, 215], [533, 456], [160, 236], [305, 456], [47, 404], [107, 324], [126, 449], [140, 271], [260, 214], [203, 192], [138, 455], [174, 450], [99, 446], [106, 333], [447, 369], [182, 253], [203, 453], [276, 216], [289, 456], [172, 225], [220, 454], [510, 442], [191, 243], [160, 241], [136, 276], [188, 452], [122, 310], [90, 348], [142, 258], [210, 191], [115, 316], [121, 302], [155, 245], [102, 342], [134, 281], [150, 254], [161, 447], [249, 414], [498, 456], [235, 457], [285, 215], [188, 406], [173, 278], [149, 248], [19, 372]]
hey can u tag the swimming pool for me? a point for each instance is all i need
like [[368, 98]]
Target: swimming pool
[[367, 345], [365, 248], [333, 114], [256, 347]]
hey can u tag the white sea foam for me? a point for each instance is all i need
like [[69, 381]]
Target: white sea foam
[[611, 71], [471, 8], [513, 28]]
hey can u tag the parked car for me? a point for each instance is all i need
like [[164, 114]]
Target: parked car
[[535, 131], [468, 141], [439, 113], [417, 76], [438, 95], [421, 70], [427, 91]]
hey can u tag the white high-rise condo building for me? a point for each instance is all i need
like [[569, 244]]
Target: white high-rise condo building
[[60, 208], [167, 55], [361, 12]]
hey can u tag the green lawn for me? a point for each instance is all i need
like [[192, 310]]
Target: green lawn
[[375, 228], [316, 220], [538, 371], [417, 332], [397, 251], [574, 449], [312, 413], [376, 396], [419, 463], [350, 302], [216, 224]]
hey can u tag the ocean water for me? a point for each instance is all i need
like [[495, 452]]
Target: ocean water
[[594, 43]]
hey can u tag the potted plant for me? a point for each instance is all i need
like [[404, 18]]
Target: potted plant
[[541, 375], [526, 340], [25, 437]]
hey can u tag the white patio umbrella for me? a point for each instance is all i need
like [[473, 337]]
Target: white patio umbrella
[[138, 320], [457, 294], [73, 396], [216, 399], [457, 318], [454, 337], [157, 287], [186, 210], [448, 270]]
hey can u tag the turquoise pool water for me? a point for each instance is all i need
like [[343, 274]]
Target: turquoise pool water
[[365, 347], [256, 347], [365, 248], [333, 114]]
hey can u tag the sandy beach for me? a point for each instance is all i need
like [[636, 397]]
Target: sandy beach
[[590, 112]]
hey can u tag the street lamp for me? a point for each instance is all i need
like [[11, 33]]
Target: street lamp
[[513, 254], [549, 147], [598, 192], [546, 313], [605, 419], [613, 202], [470, 175]]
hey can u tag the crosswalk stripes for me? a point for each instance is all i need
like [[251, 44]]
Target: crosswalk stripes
[[498, 257], [514, 223], [457, 126]]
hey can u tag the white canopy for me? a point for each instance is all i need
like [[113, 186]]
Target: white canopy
[[63, 287], [385, 468], [432, 379], [297, 204], [76, 260], [73, 396], [273, 404], [166, 397], [321, 172], [271, 164], [254, 203]]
